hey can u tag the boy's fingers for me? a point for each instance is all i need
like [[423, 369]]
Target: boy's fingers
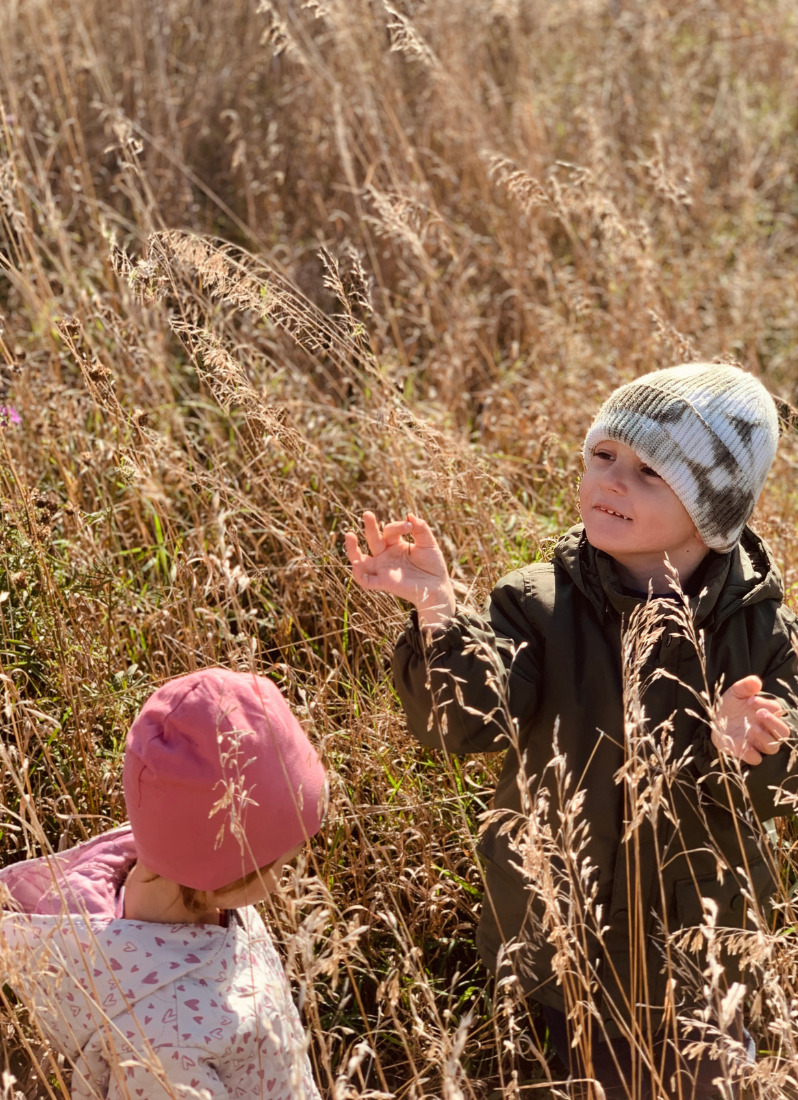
[[357, 569], [357, 559], [371, 529], [772, 706], [773, 726], [422, 532], [763, 744], [394, 531], [745, 688], [352, 547], [765, 736]]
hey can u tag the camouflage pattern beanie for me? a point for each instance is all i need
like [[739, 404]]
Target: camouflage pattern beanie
[[710, 432]]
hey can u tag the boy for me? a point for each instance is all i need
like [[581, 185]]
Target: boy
[[660, 814]]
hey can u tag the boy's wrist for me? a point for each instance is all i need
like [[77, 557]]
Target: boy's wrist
[[436, 609]]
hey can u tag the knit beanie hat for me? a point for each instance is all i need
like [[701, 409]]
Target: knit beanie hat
[[219, 778], [709, 430]]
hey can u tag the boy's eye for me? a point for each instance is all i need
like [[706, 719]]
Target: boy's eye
[[648, 471], [599, 453]]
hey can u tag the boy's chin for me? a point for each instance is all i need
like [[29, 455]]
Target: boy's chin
[[600, 539]]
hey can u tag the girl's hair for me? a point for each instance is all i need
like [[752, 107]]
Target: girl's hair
[[194, 900]]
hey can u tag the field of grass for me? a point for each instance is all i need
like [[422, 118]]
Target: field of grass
[[266, 264]]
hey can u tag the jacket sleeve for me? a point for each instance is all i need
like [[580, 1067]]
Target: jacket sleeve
[[770, 786], [463, 687]]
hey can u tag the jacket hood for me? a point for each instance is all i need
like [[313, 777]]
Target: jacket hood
[[85, 880], [78, 964], [742, 576]]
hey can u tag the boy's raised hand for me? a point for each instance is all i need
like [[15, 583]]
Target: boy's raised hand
[[415, 571], [748, 724]]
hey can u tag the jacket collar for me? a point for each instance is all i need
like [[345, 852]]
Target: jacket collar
[[744, 575]]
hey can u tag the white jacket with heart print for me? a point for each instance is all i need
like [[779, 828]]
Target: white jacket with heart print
[[148, 1011]]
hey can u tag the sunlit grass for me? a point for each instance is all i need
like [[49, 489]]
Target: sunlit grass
[[263, 266]]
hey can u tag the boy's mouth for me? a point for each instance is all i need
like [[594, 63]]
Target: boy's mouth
[[612, 512]]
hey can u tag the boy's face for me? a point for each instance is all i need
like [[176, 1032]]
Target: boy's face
[[630, 513]]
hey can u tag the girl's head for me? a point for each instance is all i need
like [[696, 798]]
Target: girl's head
[[221, 783], [708, 430]]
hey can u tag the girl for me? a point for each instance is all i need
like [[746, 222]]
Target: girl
[[139, 952]]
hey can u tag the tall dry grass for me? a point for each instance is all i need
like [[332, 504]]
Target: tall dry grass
[[265, 264]]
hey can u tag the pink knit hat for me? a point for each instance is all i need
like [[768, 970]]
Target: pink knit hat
[[219, 778]]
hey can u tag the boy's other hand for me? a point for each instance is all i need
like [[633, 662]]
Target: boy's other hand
[[415, 571], [747, 724]]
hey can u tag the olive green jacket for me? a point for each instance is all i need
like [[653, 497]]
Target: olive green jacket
[[637, 817]]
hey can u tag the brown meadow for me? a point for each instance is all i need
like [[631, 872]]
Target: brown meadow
[[266, 264]]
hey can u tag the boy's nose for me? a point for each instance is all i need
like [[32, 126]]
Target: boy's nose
[[614, 480]]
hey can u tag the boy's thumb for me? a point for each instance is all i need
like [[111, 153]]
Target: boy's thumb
[[747, 687]]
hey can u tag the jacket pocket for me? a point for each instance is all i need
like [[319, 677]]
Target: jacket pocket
[[729, 896]]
